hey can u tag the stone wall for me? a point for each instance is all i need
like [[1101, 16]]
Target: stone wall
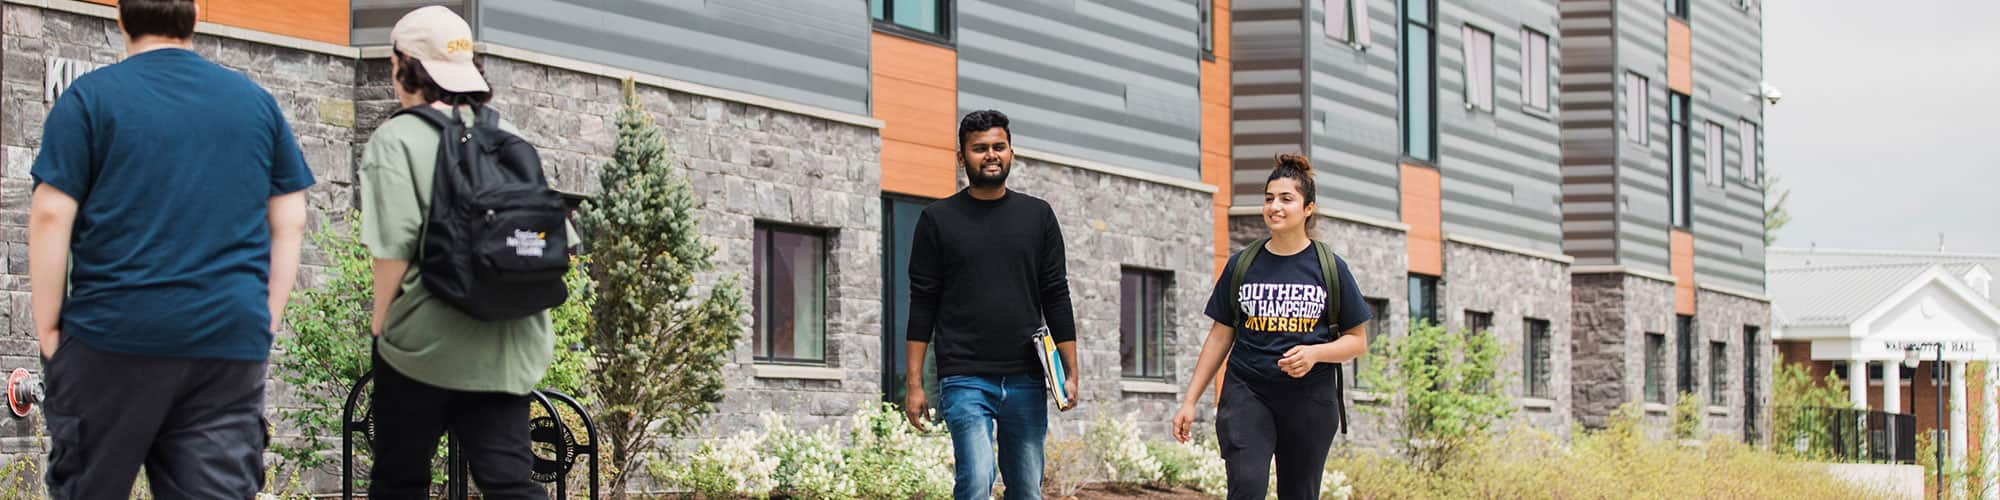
[[1611, 314], [1514, 288], [1105, 231], [1722, 318]]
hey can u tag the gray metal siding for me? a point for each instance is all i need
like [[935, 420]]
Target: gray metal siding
[[370, 20], [1351, 115], [1643, 208], [1500, 168], [1728, 70], [1267, 97], [1590, 132], [1114, 81], [810, 52]]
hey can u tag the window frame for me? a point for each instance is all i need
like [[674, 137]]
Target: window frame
[[946, 22], [1154, 286], [1205, 29], [1406, 22], [1478, 94], [1718, 373], [762, 342], [1538, 358], [1638, 108], [1475, 326], [1531, 38], [1680, 9], [1378, 325], [1678, 164], [1685, 356], [1654, 388], [894, 343], [1428, 285], [1747, 158], [1717, 138]]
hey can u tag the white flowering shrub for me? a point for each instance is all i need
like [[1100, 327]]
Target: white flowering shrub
[[811, 464], [1195, 464], [889, 459], [1122, 450], [727, 467]]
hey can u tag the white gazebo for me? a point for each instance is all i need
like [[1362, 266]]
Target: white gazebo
[[1853, 314]]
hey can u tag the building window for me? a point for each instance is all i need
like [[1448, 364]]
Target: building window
[[1478, 322], [928, 17], [1638, 121], [1206, 9], [1684, 354], [1656, 353], [1419, 81], [1347, 21], [1423, 299], [1750, 402], [1678, 8], [790, 294], [1747, 164], [1677, 117], [1476, 48], [1378, 325], [1534, 70], [1141, 323], [899, 229], [1718, 373], [1715, 147], [1538, 359]]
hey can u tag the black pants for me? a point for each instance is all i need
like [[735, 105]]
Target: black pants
[[196, 424], [1254, 424], [490, 428]]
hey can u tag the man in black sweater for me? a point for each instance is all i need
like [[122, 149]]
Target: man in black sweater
[[986, 270]]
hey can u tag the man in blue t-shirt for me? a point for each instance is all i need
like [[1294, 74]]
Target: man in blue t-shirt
[[164, 236]]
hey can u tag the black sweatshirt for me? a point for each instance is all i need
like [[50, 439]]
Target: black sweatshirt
[[983, 276]]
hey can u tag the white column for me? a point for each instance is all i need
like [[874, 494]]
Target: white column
[[1857, 383], [1990, 448], [1958, 420], [1892, 387]]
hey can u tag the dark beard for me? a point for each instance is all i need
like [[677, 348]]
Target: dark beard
[[979, 179]]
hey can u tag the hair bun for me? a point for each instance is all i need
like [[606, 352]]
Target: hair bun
[[1297, 161]]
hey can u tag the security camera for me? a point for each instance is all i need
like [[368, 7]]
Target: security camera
[[1771, 94]]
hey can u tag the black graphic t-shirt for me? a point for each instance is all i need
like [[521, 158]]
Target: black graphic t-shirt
[[1283, 298]]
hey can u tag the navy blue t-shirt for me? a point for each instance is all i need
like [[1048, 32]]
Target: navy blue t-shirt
[[172, 160], [1283, 299]]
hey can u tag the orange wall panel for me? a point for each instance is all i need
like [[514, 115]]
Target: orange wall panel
[[1423, 212], [317, 20], [1683, 266], [914, 88], [1215, 132], [1680, 57]]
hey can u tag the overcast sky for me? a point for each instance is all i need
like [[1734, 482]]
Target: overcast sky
[[1887, 134]]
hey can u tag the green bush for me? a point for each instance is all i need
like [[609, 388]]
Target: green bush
[[1444, 387]]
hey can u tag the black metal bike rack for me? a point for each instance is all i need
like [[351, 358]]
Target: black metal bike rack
[[549, 430]]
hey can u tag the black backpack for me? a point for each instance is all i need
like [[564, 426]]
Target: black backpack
[[493, 243], [1330, 274]]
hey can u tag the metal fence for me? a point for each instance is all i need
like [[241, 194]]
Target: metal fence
[[1847, 435]]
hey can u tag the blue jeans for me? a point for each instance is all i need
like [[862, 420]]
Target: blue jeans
[[981, 411]]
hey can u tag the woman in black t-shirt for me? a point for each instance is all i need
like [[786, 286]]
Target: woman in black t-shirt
[[1279, 397]]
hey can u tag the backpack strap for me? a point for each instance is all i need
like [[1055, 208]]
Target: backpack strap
[[442, 123], [1329, 268], [1237, 275]]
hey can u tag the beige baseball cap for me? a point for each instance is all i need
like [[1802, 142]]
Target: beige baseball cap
[[441, 41]]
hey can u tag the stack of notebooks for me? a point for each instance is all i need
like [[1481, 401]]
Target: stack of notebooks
[[1052, 367]]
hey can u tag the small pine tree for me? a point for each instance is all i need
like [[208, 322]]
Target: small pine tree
[[659, 344]]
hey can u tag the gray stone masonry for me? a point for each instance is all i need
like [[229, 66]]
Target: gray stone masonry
[[1722, 318], [1612, 314], [1514, 288]]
